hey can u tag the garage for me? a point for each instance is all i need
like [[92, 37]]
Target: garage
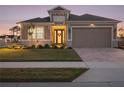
[[94, 37]]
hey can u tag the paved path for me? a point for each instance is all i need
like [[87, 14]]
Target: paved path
[[102, 75], [65, 84], [101, 54], [42, 65]]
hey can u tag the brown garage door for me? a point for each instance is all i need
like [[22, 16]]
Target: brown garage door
[[91, 37]]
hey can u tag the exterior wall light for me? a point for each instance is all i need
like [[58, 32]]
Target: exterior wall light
[[92, 25]]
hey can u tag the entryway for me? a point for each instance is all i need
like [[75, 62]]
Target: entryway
[[59, 35]]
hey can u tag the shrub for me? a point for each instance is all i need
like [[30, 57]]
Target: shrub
[[39, 46], [69, 47], [62, 47], [46, 46], [33, 46], [55, 47]]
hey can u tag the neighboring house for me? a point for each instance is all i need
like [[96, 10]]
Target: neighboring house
[[4, 39], [62, 27]]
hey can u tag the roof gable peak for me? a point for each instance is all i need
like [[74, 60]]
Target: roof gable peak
[[58, 8]]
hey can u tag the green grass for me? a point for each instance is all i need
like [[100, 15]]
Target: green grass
[[38, 55], [40, 74]]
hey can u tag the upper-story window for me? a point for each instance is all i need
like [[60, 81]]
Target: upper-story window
[[58, 18]]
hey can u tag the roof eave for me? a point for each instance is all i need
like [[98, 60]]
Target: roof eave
[[32, 22], [96, 21]]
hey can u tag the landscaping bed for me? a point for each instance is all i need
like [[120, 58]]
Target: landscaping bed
[[40, 74], [28, 55]]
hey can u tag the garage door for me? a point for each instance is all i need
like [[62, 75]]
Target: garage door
[[91, 37]]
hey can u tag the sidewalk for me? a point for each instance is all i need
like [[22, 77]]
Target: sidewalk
[[100, 74], [64, 84], [42, 65], [108, 73]]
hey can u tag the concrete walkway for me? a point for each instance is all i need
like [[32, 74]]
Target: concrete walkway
[[110, 74], [64, 84], [102, 75], [43, 65], [55, 84]]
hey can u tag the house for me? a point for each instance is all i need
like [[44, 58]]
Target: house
[[63, 28]]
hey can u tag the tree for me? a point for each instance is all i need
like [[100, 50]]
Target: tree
[[15, 31], [121, 32]]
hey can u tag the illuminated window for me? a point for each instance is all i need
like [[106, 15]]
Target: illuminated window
[[38, 33]]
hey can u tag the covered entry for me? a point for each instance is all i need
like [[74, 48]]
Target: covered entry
[[59, 35]]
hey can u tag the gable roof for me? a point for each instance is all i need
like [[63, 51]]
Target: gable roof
[[89, 17], [58, 8]]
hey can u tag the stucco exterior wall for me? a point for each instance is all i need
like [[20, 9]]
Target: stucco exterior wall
[[47, 32], [24, 32], [35, 42], [113, 25]]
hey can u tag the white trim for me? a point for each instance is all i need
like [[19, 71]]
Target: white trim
[[44, 23], [87, 23], [112, 39], [35, 40], [96, 21]]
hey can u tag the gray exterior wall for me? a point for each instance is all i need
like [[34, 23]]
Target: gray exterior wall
[[47, 32], [24, 32], [114, 25], [47, 29]]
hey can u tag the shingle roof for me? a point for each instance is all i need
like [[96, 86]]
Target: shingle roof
[[89, 17], [58, 8], [72, 17], [38, 19]]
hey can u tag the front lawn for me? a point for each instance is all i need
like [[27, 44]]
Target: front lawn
[[21, 55], [40, 74]]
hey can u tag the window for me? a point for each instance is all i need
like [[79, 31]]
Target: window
[[38, 33], [58, 18]]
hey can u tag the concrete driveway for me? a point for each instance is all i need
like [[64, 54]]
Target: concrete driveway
[[101, 54], [106, 65]]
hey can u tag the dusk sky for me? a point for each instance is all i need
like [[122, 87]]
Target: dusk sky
[[10, 14]]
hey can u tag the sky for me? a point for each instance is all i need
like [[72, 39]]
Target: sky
[[10, 14]]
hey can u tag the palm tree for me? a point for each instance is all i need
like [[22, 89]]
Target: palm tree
[[15, 31]]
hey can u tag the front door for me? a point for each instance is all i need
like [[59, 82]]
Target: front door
[[59, 36]]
